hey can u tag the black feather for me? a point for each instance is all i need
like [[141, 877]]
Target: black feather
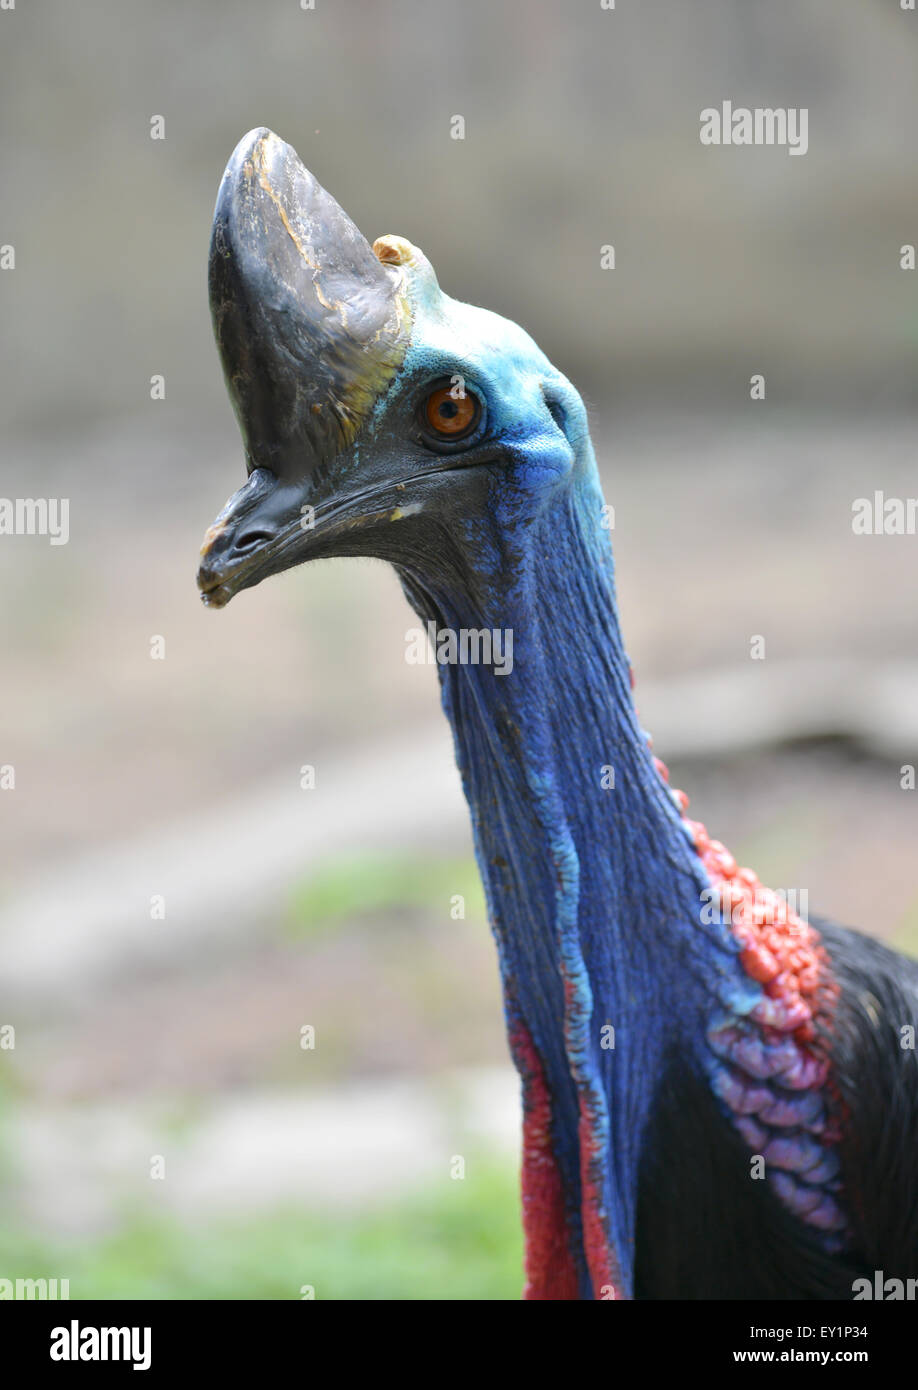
[[707, 1230]]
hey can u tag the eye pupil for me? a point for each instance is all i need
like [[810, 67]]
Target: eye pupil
[[451, 416]]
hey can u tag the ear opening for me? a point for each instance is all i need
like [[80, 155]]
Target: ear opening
[[566, 409], [555, 407]]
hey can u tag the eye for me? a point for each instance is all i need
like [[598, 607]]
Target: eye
[[450, 415]]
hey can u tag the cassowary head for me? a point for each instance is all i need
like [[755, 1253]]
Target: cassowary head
[[380, 417]]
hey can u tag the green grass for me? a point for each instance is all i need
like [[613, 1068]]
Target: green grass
[[351, 887], [460, 1241]]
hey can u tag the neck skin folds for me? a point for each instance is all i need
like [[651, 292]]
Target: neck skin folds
[[592, 882]]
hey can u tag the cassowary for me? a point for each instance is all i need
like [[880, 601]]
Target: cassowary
[[720, 1100]]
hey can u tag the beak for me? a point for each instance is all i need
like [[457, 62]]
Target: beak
[[311, 328], [259, 532]]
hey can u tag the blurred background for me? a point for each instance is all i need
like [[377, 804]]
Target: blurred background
[[174, 909]]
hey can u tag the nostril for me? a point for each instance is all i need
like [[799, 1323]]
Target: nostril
[[249, 539]]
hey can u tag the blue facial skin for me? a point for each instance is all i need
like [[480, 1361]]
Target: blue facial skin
[[594, 888]]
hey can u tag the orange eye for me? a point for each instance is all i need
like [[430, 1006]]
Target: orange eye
[[451, 416]]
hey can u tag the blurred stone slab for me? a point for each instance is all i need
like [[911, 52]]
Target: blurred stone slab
[[83, 1166]]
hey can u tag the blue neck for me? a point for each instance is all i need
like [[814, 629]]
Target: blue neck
[[587, 883]]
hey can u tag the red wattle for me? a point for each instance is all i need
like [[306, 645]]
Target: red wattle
[[548, 1261]]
